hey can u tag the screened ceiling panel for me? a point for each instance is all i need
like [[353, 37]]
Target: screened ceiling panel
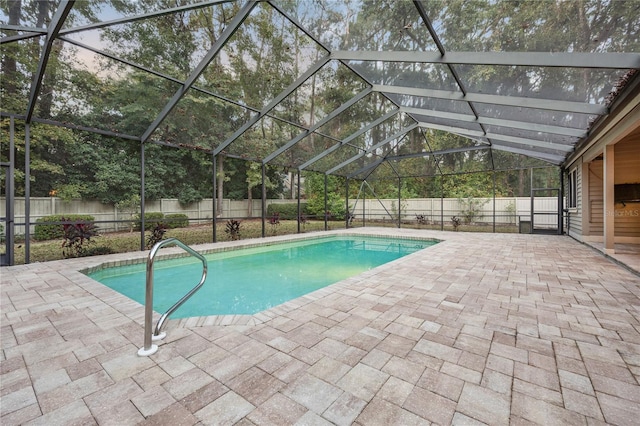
[[170, 44], [503, 160], [533, 135], [535, 115], [406, 74], [109, 10], [562, 84], [532, 26], [306, 106], [126, 100], [263, 138], [308, 148], [465, 162], [359, 25], [15, 79], [434, 104], [416, 166], [257, 52], [336, 154], [337, 86], [454, 124], [196, 121]]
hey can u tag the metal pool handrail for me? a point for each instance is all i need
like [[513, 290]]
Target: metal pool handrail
[[149, 348]]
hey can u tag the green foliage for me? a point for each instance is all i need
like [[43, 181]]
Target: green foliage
[[151, 220], [70, 191], [264, 57], [76, 235], [129, 207], [189, 195], [511, 211], [176, 220], [314, 188], [471, 208], [287, 211], [44, 230]]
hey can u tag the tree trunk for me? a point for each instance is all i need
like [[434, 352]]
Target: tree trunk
[[11, 49]]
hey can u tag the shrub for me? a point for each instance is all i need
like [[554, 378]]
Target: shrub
[[157, 234], [176, 220], [151, 220], [335, 207], [471, 209], [233, 229], [45, 231], [288, 211], [76, 235]]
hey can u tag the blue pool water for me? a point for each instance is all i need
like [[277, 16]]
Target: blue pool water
[[247, 281]]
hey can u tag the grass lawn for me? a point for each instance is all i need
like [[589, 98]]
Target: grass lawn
[[122, 242]]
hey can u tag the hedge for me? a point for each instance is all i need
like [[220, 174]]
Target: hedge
[[177, 220], [151, 220], [287, 210], [44, 231]]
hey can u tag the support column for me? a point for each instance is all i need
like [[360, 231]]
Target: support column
[[298, 197], [326, 224], [493, 175], [142, 221], [561, 196], [214, 213], [10, 197], [399, 203], [584, 205], [609, 202], [346, 203], [27, 193], [263, 198]]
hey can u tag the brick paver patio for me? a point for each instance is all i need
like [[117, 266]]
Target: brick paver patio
[[480, 329]]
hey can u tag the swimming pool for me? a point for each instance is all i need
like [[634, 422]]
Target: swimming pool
[[250, 280]]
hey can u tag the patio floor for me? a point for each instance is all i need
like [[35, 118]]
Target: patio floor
[[479, 329]]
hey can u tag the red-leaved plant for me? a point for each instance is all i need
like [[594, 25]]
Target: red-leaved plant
[[76, 237]]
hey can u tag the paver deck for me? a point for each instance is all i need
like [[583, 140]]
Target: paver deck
[[480, 329]]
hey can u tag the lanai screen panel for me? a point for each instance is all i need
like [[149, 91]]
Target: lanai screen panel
[[200, 120], [267, 135], [18, 66], [511, 75], [536, 26], [171, 44], [264, 56], [357, 143], [361, 25]]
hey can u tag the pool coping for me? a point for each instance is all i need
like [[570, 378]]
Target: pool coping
[[136, 258]]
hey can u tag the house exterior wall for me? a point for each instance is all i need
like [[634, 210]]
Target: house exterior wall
[[627, 170], [586, 220]]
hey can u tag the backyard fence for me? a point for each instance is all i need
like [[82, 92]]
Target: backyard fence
[[508, 211]]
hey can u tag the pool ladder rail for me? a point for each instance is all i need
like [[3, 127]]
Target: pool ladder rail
[[149, 348]]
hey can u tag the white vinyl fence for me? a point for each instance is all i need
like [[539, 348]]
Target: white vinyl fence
[[507, 210]]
